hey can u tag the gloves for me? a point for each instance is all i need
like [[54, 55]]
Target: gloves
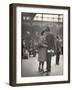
[[50, 51]]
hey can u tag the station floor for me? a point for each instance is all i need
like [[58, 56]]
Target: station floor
[[29, 67]]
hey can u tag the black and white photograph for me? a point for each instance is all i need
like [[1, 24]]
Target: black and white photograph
[[42, 44]]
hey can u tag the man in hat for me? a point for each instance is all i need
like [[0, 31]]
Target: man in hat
[[51, 48]]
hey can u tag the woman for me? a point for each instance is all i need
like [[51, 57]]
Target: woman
[[42, 50]]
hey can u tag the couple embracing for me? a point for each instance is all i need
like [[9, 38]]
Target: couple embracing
[[46, 48]]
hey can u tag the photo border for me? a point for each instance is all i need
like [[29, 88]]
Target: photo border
[[13, 44]]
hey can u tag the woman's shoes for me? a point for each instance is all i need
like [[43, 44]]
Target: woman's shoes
[[41, 70]]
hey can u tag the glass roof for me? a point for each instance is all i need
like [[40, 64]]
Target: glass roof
[[48, 17]]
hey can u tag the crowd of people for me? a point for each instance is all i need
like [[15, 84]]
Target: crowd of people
[[48, 45]]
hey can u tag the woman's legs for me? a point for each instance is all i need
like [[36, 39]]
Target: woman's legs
[[41, 66]]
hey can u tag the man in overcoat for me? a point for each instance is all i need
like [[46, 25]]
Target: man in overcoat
[[51, 48], [58, 49]]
